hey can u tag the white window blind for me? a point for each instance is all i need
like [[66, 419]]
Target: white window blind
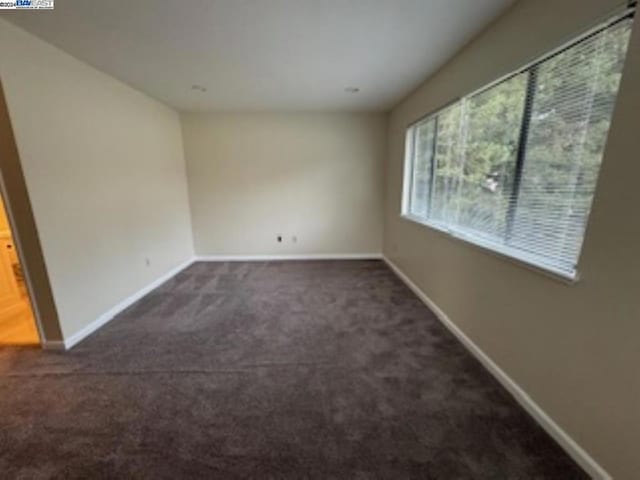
[[514, 167]]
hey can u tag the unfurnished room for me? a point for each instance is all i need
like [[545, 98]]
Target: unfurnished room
[[319, 239]]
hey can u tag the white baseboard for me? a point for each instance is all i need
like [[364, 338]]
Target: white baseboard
[[103, 319], [572, 448], [303, 256]]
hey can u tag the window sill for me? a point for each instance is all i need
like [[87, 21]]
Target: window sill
[[562, 277]]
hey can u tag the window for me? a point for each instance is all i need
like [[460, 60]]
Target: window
[[514, 167]]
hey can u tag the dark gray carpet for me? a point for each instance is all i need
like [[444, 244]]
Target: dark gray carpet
[[292, 370]]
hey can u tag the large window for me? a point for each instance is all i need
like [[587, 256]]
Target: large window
[[514, 167]]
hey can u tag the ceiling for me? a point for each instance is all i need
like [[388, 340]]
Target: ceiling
[[264, 54]]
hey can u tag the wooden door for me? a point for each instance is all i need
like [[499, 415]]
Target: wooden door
[[9, 292]]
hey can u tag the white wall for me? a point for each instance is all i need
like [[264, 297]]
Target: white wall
[[254, 176], [104, 168], [574, 349]]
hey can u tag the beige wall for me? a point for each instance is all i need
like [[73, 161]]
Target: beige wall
[[574, 348], [104, 168], [316, 176]]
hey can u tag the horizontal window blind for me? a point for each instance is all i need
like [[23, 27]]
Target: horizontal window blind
[[514, 167]]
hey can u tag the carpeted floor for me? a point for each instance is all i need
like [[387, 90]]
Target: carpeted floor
[[285, 370]]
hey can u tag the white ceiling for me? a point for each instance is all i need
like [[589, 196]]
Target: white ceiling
[[265, 54]]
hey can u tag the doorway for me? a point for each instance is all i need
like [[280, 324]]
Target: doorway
[[17, 321], [28, 314]]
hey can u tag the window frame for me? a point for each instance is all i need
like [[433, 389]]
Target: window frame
[[531, 261]]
